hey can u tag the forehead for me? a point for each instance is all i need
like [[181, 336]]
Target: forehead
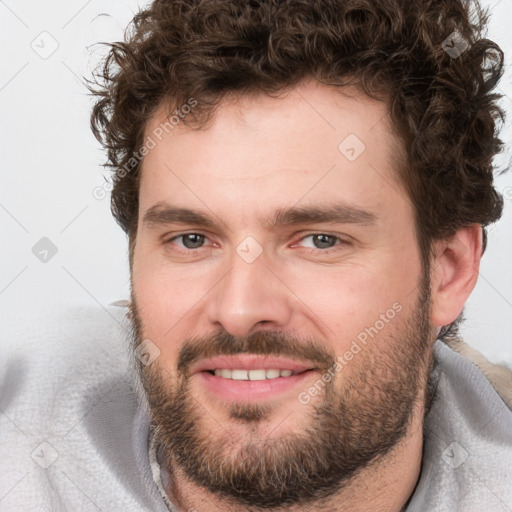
[[312, 142]]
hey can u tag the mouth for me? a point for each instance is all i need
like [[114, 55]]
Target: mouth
[[251, 377]]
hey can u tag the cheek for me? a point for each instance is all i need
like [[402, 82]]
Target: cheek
[[164, 292], [158, 309], [169, 300], [346, 302]]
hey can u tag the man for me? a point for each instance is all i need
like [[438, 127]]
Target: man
[[306, 186]]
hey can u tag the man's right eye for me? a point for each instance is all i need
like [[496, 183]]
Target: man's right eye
[[189, 240]]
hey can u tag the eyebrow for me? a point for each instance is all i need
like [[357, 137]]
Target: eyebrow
[[163, 213], [328, 213]]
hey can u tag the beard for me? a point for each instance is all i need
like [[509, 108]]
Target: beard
[[362, 414]]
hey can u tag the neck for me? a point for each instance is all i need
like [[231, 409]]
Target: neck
[[386, 484]]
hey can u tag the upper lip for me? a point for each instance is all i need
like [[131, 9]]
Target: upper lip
[[250, 362]]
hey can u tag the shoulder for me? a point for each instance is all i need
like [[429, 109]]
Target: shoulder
[[467, 435], [68, 405], [499, 376]]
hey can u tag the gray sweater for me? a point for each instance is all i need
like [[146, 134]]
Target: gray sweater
[[74, 436]]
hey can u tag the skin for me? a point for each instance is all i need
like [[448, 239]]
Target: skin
[[261, 154]]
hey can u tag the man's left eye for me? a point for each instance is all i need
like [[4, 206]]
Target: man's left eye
[[321, 241]]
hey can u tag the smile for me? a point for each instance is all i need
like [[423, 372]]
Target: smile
[[258, 374]]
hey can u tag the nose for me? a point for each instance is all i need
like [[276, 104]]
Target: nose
[[249, 295]]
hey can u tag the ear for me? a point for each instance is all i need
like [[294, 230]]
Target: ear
[[454, 273]]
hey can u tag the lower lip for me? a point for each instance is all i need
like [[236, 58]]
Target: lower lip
[[251, 390]]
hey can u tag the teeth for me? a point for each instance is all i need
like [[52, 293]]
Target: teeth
[[252, 374], [239, 374], [273, 374], [257, 374]]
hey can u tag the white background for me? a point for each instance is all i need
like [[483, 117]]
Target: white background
[[50, 165]]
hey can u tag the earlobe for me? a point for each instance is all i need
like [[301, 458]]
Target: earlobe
[[454, 273]]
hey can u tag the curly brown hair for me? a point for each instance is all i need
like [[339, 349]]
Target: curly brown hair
[[441, 102]]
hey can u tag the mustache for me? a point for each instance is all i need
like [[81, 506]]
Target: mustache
[[268, 343]]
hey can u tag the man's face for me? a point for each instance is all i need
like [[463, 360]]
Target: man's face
[[287, 247]]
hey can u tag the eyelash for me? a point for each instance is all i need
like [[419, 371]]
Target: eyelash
[[340, 242]]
